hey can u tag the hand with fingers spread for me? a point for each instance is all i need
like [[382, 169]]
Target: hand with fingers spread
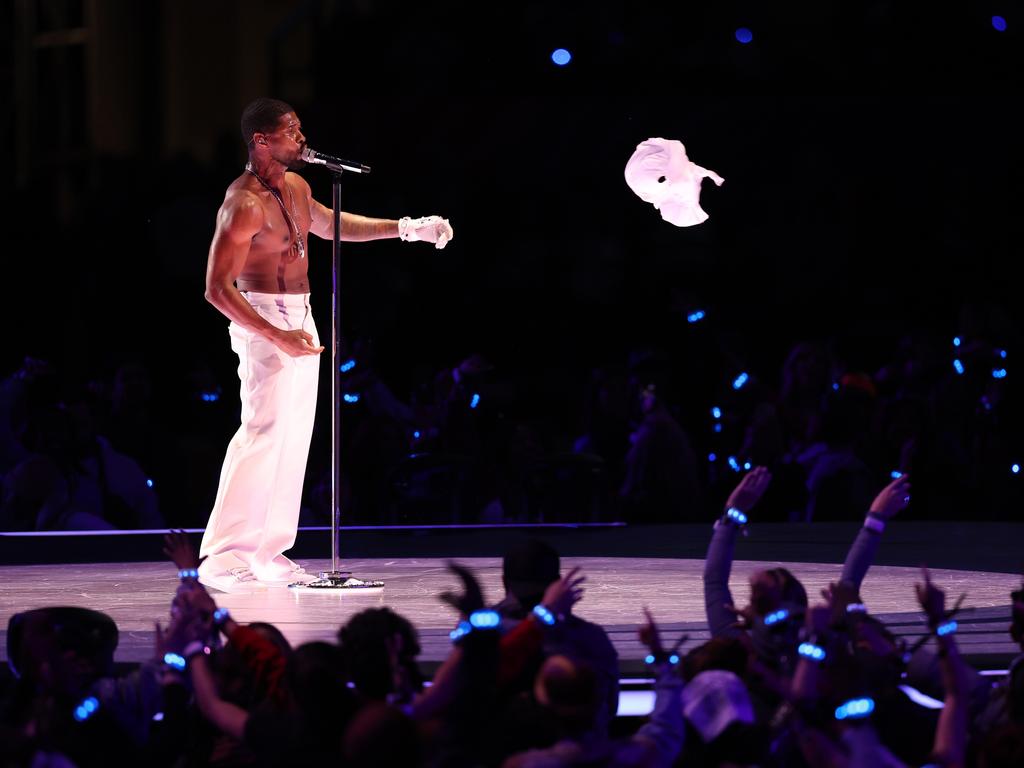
[[649, 634], [179, 550], [931, 598], [840, 595], [472, 597], [562, 594], [891, 499], [749, 490]]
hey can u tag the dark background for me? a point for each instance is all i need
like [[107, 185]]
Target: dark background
[[871, 153]]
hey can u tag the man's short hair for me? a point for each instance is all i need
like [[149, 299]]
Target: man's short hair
[[261, 116], [529, 566]]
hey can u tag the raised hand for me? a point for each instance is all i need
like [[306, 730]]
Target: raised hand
[[563, 594], [839, 595], [179, 550], [749, 490], [891, 499], [472, 597], [931, 598]]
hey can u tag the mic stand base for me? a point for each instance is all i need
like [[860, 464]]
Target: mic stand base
[[338, 580]]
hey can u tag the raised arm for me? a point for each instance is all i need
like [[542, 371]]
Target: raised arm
[[890, 500], [718, 600], [950, 746]]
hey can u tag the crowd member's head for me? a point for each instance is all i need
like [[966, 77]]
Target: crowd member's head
[[374, 640], [528, 567], [567, 688]]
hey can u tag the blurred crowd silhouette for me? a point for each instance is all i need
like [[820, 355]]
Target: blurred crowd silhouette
[[652, 438]]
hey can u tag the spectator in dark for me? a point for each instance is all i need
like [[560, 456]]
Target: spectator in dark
[[74, 479], [529, 567], [68, 703], [379, 649], [660, 484], [838, 480], [806, 378], [605, 420]]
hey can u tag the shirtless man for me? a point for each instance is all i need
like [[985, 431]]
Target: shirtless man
[[257, 276]]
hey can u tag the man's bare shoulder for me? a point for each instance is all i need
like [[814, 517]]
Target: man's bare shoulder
[[242, 207]]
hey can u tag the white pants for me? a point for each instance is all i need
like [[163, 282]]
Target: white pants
[[255, 516]]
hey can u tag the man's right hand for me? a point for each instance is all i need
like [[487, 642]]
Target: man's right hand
[[296, 343]]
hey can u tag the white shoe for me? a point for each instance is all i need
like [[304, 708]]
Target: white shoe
[[279, 577], [234, 580]]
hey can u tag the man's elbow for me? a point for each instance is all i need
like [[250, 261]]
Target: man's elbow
[[214, 293]]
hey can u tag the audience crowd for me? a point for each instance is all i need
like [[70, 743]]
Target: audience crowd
[[784, 679]]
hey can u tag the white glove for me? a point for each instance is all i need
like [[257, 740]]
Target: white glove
[[433, 229]]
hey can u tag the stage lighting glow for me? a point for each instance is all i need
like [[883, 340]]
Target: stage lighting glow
[[744, 35], [895, 474], [149, 483], [712, 457], [716, 412], [956, 341], [999, 23], [1002, 353], [561, 57], [718, 427], [1015, 469]]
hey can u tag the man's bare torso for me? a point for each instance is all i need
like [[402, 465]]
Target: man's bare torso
[[273, 264]]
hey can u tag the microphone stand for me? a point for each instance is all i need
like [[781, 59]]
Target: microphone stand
[[335, 578]]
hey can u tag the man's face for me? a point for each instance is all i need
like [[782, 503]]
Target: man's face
[[286, 141]]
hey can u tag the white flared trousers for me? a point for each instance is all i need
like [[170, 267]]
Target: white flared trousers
[[256, 514]]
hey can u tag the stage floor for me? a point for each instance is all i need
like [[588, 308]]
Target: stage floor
[[138, 594]]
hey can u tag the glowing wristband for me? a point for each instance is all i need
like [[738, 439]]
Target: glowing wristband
[[544, 615], [945, 629], [487, 619], [855, 709], [661, 658], [775, 617], [220, 616], [86, 709], [856, 608], [174, 661], [811, 651], [735, 516], [460, 631], [188, 573]]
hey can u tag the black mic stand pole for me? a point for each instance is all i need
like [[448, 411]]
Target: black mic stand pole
[[335, 578]]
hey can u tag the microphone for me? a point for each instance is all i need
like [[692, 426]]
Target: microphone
[[335, 164]]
